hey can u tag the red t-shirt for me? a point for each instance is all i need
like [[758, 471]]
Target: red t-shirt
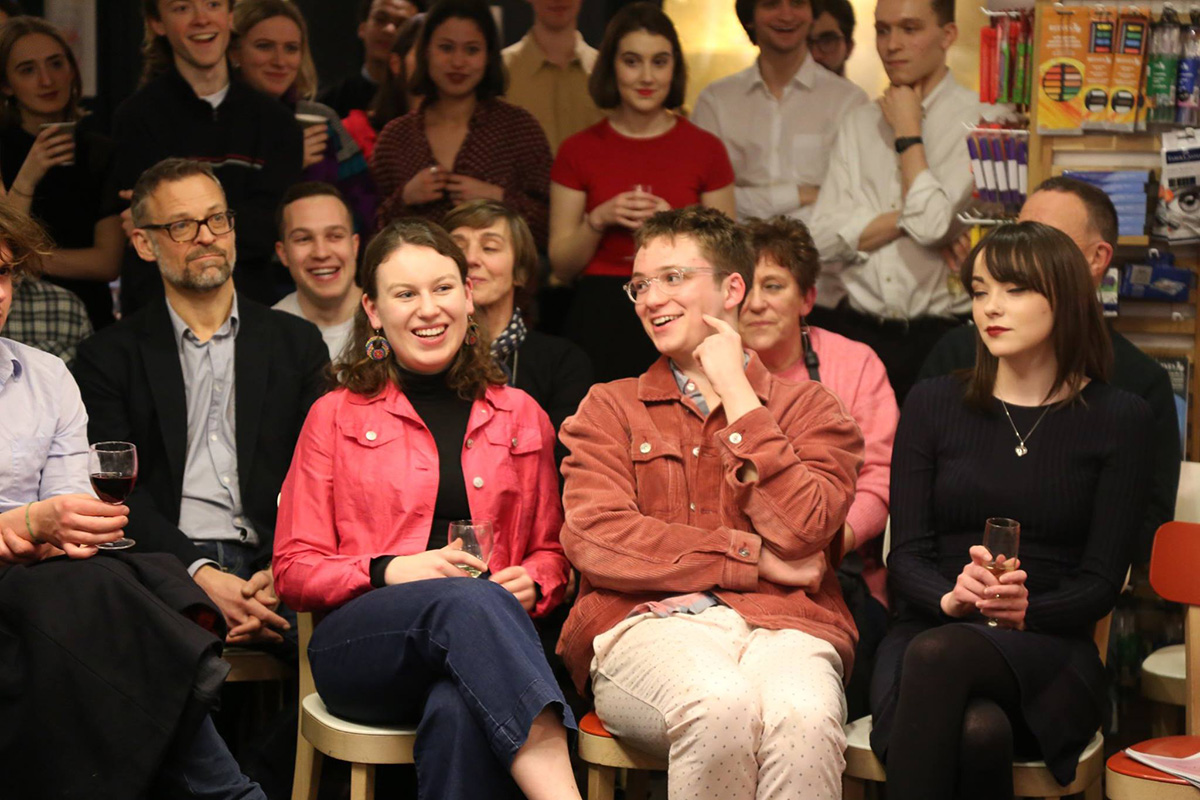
[[678, 166]]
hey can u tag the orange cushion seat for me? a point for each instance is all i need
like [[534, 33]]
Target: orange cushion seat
[[591, 724], [1170, 746]]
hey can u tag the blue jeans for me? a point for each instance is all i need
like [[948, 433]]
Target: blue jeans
[[204, 769], [457, 656]]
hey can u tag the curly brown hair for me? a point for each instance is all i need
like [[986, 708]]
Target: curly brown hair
[[473, 368], [23, 243], [788, 242]]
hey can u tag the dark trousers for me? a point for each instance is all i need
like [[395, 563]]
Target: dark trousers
[[902, 345], [459, 657]]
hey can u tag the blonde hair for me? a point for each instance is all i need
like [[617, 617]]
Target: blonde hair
[[248, 13]]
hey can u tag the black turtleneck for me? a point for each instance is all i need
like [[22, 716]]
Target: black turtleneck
[[445, 414]]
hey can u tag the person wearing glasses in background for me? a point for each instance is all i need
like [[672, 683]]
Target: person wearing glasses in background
[[831, 37], [778, 117], [213, 389], [704, 506]]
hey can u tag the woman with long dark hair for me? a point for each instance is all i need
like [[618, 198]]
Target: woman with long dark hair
[[421, 432], [1035, 434]]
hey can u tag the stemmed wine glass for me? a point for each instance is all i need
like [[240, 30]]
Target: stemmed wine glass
[[1001, 537], [113, 468], [476, 537]]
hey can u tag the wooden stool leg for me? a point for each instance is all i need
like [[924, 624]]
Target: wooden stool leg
[[1095, 791], [1165, 720], [306, 780], [602, 782], [853, 789], [362, 782]]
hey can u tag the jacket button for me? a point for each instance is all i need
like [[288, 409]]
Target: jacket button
[[470, 443], [735, 437], [645, 448], [477, 482], [514, 441], [696, 452], [372, 436], [692, 506], [744, 553]]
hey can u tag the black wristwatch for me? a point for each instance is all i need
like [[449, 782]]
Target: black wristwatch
[[905, 142]]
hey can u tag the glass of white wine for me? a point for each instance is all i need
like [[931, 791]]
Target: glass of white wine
[[1001, 538], [476, 538]]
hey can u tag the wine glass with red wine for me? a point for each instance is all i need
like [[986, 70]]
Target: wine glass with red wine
[[1001, 538], [113, 468]]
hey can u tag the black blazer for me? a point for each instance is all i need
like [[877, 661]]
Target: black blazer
[[132, 384]]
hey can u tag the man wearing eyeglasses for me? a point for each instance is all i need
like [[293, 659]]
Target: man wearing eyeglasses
[[213, 389], [831, 37], [704, 502], [778, 117]]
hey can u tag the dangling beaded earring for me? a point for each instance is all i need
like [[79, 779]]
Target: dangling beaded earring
[[472, 337], [378, 348]]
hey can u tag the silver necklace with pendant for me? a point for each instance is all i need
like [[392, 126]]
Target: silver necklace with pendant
[[1021, 449]]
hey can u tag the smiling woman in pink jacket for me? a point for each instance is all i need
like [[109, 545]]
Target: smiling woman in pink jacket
[[422, 432]]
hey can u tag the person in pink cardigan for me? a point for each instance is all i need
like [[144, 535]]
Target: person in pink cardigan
[[420, 432], [772, 324]]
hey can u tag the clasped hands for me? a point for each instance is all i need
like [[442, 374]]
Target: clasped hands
[[1004, 599], [627, 209], [449, 562], [434, 183]]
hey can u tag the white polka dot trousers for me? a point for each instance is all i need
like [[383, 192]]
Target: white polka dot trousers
[[743, 713]]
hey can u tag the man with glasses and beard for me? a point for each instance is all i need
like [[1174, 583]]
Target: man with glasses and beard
[[213, 389]]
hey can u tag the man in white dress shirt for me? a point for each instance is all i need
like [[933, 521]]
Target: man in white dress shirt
[[898, 176], [778, 117]]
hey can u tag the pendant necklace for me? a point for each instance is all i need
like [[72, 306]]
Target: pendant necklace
[[1021, 449]]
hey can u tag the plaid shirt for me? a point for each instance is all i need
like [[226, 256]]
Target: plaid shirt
[[47, 317]]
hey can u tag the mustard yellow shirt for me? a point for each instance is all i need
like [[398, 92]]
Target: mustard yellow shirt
[[556, 96]]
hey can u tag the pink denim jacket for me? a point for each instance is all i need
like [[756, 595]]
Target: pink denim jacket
[[364, 479]]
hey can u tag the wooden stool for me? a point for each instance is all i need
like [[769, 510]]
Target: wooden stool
[[604, 755]]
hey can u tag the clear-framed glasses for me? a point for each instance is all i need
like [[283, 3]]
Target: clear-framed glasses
[[186, 230], [669, 282], [826, 41]]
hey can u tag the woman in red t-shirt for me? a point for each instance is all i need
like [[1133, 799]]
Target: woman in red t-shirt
[[610, 177]]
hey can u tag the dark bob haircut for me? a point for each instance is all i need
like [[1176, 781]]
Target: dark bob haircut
[[494, 81], [1042, 259], [602, 85]]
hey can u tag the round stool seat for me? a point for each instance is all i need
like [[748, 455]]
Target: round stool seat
[[1127, 779], [1163, 676]]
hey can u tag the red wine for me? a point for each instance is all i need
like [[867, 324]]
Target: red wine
[[112, 487]]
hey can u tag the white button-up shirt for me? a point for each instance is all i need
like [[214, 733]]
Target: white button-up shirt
[[777, 145], [906, 278]]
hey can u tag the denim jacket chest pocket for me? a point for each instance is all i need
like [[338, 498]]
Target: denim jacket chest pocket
[[376, 461], [658, 475]]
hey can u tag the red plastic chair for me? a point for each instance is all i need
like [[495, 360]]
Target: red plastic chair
[[1174, 568]]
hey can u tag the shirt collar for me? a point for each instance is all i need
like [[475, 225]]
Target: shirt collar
[[182, 331], [939, 90], [531, 57], [805, 77], [661, 382], [10, 365]]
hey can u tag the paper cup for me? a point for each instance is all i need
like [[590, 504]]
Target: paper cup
[[309, 120], [66, 127]]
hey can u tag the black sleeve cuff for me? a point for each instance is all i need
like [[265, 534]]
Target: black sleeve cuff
[[379, 567]]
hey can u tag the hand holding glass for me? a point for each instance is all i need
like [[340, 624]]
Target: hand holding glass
[[1001, 537], [113, 468], [476, 538]]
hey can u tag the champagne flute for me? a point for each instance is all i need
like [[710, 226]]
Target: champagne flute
[[476, 538], [1001, 537], [113, 468]]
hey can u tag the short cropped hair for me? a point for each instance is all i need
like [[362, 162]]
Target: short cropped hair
[[169, 170], [1045, 260], [840, 10], [1102, 215], [494, 81], [25, 241], [641, 16], [789, 244], [944, 10], [477, 214], [299, 191], [721, 241]]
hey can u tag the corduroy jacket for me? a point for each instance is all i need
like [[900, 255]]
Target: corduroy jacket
[[654, 505]]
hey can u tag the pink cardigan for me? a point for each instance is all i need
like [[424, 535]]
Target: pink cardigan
[[856, 375], [364, 479]]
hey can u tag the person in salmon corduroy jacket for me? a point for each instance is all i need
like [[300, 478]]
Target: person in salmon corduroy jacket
[[704, 505]]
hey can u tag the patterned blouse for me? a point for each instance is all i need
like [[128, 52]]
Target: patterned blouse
[[504, 146]]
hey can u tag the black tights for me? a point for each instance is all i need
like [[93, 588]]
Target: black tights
[[953, 732]]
